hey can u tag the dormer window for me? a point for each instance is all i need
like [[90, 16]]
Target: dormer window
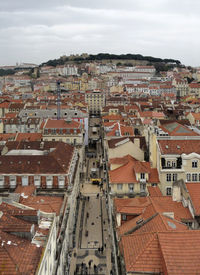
[[53, 131], [1, 181], [37, 181], [24, 180], [12, 181], [61, 181], [194, 164], [49, 182]]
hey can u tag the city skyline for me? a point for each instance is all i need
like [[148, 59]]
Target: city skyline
[[38, 31]]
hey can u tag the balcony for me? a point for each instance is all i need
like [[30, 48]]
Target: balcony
[[172, 167]]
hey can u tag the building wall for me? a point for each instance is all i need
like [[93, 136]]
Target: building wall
[[70, 139], [47, 264], [95, 100], [125, 189], [125, 149]]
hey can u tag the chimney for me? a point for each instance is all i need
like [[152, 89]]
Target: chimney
[[176, 193]]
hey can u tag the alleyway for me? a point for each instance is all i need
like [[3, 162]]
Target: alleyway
[[92, 251]]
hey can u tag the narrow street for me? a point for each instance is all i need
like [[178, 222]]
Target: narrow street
[[92, 253]]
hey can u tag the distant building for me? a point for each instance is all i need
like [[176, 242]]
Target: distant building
[[95, 100]]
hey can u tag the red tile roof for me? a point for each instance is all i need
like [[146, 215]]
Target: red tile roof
[[112, 117], [6, 137], [154, 191], [177, 129], [28, 137], [123, 130], [55, 162], [61, 124], [112, 143], [142, 253], [17, 255], [164, 252], [194, 191], [180, 252], [48, 204], [150, 221], [127, 172], [179, 146]]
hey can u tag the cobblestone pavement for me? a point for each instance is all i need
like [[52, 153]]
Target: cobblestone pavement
[[92, 251]]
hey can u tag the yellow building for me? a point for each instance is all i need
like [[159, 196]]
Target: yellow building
[[131, 177], [176, 160], [66, 130], [95, 100]]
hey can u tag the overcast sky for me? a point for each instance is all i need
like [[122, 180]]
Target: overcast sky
[[38, 30]]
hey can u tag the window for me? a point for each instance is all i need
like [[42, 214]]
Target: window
[[24, 180], [37, 181], [131, 188], [168, 191], [173, 163], [168, 163], [1, 181], [123, 217], [119, 186], [13, 181], [188, 177], [174, 177], [53, 131], [142, 175], [194, 177], [61, 181], [190, 224], [142, 187], [194, 163], [49, 181], [168, 177]]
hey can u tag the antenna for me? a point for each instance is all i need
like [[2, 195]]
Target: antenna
[[58, 100]]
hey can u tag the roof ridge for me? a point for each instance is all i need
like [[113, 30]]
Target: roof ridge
[[162, 216], [154, 234], [122, 166], [152, 204]]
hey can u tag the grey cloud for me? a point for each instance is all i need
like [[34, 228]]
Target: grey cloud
[[36, 31]]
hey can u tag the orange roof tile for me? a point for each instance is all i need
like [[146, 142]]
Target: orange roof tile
[[142, 253], [177, 129], [61, 123], [154, 191], [132, 203], [28, 137], [194, 191], [180, 252], [179, 146], [17, 255], [127, 172], [166, 204], [48, 204]]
